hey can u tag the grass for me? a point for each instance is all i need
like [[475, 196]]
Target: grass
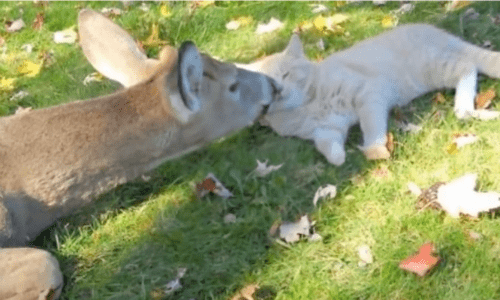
[[129, 244]]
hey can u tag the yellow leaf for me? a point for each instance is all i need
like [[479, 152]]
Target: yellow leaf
[[452, 148], [153, 39], [165, 11], [205, 3], [7, 84], [483, 99], [29, 68], [305, 25], [389, 21], [320, 23], [244, 21], [337, 19]]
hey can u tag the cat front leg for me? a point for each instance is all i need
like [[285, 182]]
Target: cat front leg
[[373, 118], [465, 96], [330, 142]]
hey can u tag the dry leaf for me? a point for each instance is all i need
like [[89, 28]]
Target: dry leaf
[[67, 36], [39, 20], [15, 25], [329, 191], [408, 127], [92, 77], [455, 5], [229, 219], [165, 10], [2, 41], [405, 8], [239, 22], [365, 254], [202, 4], [389, 21], [175, 284], [438, 98], [19, 95], [153, 39], [303, 26], [464, 139], [22, 110], [422, 262], [390, 142], [29, 68], [292, 232], [330, 24], [483, 100], [212, 184], [144, 7], [317, 8], [246, 293], [263, 169], [459, 197], [7, 84], [111, 11], [382, 172], [475, 235], [28, 48], [273, 25]]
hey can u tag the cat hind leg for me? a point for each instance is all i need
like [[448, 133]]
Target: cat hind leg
[[465, 96], [373, 120]]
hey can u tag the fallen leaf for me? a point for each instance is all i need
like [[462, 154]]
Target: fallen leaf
[[67, 36], [329, 191], [202, 3], [483, 100], [318, 8], [303, 26], [41, 3], [456, 5], [175, 284], [408, 127], [321, 45], [422, 262], [153, 39], [330, 24], [19, 95], [212, 184], [28, 48], [246, 292], [292, 232], [263, 169], [389, 21], [390, 142], [459, 197], [39, 20], [475, 235], [229, 219], [15, 25], [274, 228], [452, 149], [145, 178], [22, 110], [461, 140], [273, 25], [47, 58], [382, 172], [365, 254], [438, 98], [2, 41], [165, 10], [92, 77], [405, 8], [7, 84], [29, 68], [111, 11], [239, 22]]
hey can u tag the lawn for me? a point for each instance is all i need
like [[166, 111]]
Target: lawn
[[133, 240]]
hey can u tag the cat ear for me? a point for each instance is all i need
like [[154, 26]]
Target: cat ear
[[294, 47]]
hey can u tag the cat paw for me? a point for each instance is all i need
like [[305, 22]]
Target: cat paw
[[336, 155], [376, 152], [484, 114]]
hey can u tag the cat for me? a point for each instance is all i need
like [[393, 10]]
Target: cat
[[361, 84]]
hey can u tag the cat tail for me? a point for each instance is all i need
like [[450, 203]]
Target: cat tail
[[487, 62]]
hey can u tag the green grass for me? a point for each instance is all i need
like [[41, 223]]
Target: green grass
[[129, 244]]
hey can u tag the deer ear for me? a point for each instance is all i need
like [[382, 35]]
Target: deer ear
[[294, 47], [112, 51], [190, 72]]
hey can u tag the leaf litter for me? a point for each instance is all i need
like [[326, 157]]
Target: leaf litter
[[263, 169], [212, 184], [273, 25], [67, 36], [327, 191], [422, 262], [365, 254], [15, 25], [175, 284], [292, 232]]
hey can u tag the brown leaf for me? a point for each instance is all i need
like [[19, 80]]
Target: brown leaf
[[390, 142], [483, 100], [39, 20], [246, 292], [422, 262], [207, 184], [438, 98]]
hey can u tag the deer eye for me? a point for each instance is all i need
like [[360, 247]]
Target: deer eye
[[234, 87]]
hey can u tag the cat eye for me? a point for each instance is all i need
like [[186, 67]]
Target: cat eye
[[234, 87]]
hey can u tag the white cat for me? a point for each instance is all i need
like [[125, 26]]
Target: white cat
[[363, 83]]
